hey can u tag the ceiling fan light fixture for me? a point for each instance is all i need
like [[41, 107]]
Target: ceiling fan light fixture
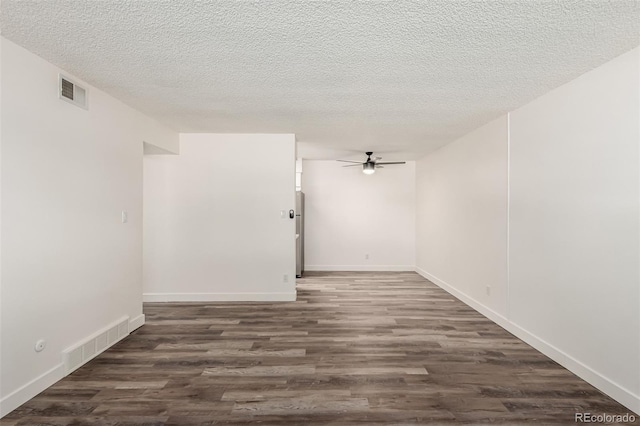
[[368, 168], [371, 164]]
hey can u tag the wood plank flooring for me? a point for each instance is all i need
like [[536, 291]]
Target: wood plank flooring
[[356, 348]]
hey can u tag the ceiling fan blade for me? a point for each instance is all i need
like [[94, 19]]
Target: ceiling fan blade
[[376, 159], [353, 165], [394, 162], [379, 167], [349, 161]]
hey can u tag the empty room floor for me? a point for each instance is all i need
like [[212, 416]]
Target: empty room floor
[[363, 348]]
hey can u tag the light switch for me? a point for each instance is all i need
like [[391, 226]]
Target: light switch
[[125, 216], [283, 214]]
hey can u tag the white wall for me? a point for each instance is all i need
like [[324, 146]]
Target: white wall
[[572, 247], [212, 223], [350, 215], [574, 235], [461, 223], [2, 413], [69, 266]]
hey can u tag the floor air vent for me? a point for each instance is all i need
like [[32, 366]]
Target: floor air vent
[[71, 92], [86, 350]]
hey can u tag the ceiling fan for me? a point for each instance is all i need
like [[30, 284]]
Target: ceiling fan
[[369, 167]]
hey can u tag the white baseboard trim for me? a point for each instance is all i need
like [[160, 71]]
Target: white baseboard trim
[[136, 323], [219, 297], [31, 389], [622, 395], [361, 268]]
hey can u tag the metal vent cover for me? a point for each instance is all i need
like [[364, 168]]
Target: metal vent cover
[[70, 91], [66, 88]]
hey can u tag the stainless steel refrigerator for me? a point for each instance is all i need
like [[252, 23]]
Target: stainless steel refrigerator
[[299, 233]]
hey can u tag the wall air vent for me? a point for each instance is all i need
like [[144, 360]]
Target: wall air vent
[[92, 346], [71, 92]]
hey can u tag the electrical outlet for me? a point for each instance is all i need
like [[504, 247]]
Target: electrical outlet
[[125, 216], [366, 256], [488, 290], [285, 278]]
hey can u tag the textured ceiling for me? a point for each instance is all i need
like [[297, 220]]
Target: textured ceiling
[[401, 77]]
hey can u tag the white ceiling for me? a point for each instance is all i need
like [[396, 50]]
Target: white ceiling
[[395, 77]]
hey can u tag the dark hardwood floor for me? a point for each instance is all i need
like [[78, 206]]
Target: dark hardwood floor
[[356, 348]]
